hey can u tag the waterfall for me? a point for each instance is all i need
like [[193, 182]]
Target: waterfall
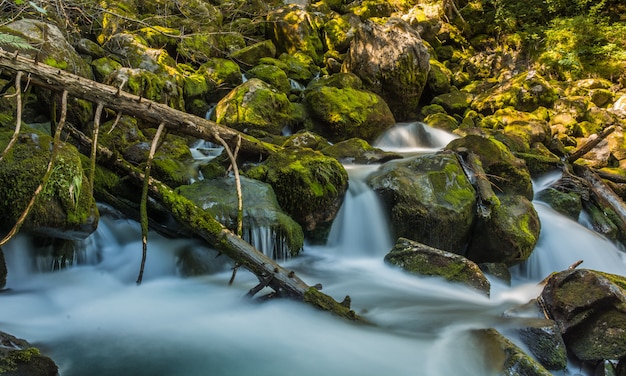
[[414, 137]]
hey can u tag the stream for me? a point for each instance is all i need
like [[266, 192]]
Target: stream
[[92, 318]]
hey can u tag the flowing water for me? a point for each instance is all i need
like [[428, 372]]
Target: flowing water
[[93, 319]]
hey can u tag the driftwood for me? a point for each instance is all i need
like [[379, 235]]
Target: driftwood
[[590, 144], [154, 113]]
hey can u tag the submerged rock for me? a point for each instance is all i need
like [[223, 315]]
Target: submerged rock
[[590, 309], [421, 259], [19, 358], [265, 225], [430, 200]]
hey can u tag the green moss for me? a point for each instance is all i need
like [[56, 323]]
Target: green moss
[[326, 303], [272, 75], [10, 362]]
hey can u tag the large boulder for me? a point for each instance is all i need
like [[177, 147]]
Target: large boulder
[[508, 235], [65, 207], [430, 200], [255, 107], [265, 225], [309, 186], [342, 113], [19, 358], [421, 259], [393, 62], [590, 309], [507, 173]]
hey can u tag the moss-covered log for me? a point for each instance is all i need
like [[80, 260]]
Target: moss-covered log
[[154, 113]]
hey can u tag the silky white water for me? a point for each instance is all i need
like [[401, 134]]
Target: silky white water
[[93, 319]]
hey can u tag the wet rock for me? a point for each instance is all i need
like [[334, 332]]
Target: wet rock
[[590, 310], [309, 186], [272, 75], [566, 203], [265, 225], [546, 343], [19, 358], [306, 139], [454, 102], [506, 357], [393, 62], [250, 55], [498, 270], [421, 259], [427, 197], [509, 235], [358, 151]]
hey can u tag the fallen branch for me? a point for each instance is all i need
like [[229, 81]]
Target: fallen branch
[[18, 116], [590, 144]]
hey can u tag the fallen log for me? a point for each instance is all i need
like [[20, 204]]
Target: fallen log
[[177, 122], [284, 282], [590, 144]]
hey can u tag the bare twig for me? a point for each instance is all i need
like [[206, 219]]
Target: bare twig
[[143, 208], [94, 148], [233, 162]]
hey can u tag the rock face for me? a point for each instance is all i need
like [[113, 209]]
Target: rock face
[[393, 62], [309, 186], [262, 214], [19, 358], [421, 259], [427, 197], [509, 235], [590, 309]]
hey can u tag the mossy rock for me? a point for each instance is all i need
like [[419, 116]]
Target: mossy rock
[[566, 203], [546, 343], [272, 75], [261, 212], [340, 114], [160, 87], [65, 207], [525, 92], [393, 62], [509, 235], [306, 139], [421, 259], [341, 80], [590, 309], [19, 358], [508, 174], [338, 33], [192, 16], [427, 197], [298, 66], [368, 9], [293, 29], [110, 20], [224, 75], [250, 56], [256, 108], [505, 357], [103, 67], [358, 151], [454, 101], [442, 121], [498, 270], [438, 78], [540, 160], [199, 48], [309, 186]]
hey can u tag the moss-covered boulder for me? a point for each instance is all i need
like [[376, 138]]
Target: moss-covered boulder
[[506, 357], [298, 66], [454, 101], [438, 78], [201, 47], [65, 207], [293, 29], [306, 139], [223, 74], [418, 258], [590, 309], [545, 342], [250, 56], [265, 225], [339, 31], [358, 151], [393, 62], [507, 173], [19, 358], [340, 114], [566, 203], [272, 75], [430, 200], [509, 235], [525, 92], [443, 121], [256, 108], [309, 186]]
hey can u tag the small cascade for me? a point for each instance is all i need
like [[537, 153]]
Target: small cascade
[[209, 112], [295, 85], [416, 137], [204, 151], [268, 241], [361, 226]]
